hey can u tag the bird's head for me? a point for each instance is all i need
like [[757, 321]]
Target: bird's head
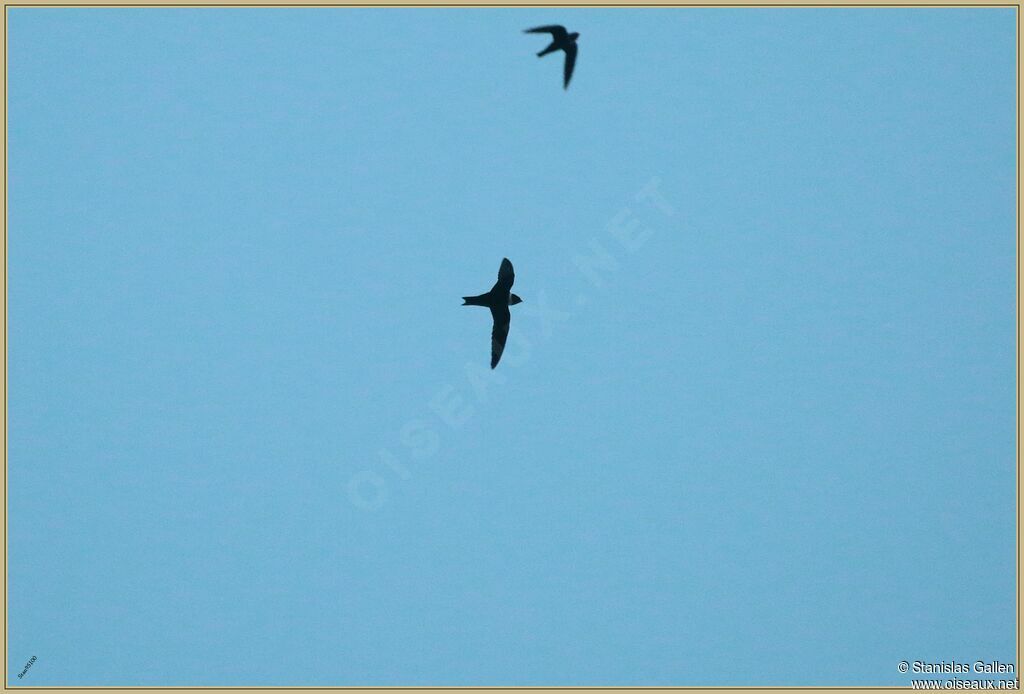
[[574, 35], [513, 300]]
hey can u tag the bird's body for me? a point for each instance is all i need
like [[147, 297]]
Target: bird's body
[[498, 300], [561, 40]]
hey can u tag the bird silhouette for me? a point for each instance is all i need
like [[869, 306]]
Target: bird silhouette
[[560, 40], [498, 300]]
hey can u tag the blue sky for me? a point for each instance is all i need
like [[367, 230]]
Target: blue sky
[[253, 439]]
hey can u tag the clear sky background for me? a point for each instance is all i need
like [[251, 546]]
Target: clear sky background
[[774, 444]]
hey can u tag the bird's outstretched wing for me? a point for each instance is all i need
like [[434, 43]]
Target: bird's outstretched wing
[[506, 276], [499, 333], [557, 31], [570, 63]]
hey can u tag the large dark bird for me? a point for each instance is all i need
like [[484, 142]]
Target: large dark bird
[[498, 300], [560, 40]]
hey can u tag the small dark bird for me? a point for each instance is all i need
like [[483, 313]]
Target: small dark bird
[[498, 300], [561, 40]]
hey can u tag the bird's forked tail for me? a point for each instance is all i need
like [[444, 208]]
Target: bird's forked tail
[[475, 300], [550, 49]]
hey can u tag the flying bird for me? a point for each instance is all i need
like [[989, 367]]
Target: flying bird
[[560, 40], [498, 300]]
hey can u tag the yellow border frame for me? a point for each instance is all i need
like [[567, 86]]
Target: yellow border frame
[[495, 4]]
